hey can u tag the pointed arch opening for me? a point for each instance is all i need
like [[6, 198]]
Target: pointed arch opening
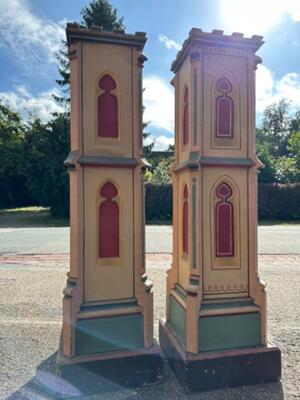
[[224, 109], [109, 221], [224, 220], [185, 221], [186, 115], [107, 108]]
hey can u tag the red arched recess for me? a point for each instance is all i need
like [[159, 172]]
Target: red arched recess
[[186, 122], [224, 222], [107, 109], [109, 237], [185, 222], [224, 110]]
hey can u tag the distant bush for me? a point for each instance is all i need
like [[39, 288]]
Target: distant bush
[[275, 201]]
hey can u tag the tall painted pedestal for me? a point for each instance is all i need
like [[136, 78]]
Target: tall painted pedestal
[[215, 331], [108, 300]]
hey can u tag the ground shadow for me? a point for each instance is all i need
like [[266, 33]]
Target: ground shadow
[[47, 385]]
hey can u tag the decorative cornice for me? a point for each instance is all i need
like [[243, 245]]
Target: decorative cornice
[[215, 39], [75, 33], [195, 161], [114, 162], [227, 162]]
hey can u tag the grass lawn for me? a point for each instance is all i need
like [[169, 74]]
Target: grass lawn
[[29, 217], [40, 216]]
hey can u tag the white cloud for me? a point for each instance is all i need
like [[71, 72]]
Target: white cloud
[[23, 101], [269, 90], [169, 43], [159, 103], [162, 143], [29, 37]]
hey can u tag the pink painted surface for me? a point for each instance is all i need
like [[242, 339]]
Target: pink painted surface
[[186, 122], [224, 107], [109, 240], [107, 109], [224, 222], [185, 222]]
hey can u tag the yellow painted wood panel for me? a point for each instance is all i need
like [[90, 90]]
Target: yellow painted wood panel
[[115, 60], [183, 259], [108, 279], [234, 68], [229, 278]]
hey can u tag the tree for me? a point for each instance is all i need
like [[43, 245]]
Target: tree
[[268, 173], [294, 147], [287, 170], [162, 173], [12, 182], [275, 128], [46, 147], [99, 13]]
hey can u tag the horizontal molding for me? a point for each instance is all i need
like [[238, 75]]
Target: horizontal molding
[[229, 162], [108, 310], [95, 161]]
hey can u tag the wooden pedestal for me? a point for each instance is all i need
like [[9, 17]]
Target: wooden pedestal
[[215, 370]]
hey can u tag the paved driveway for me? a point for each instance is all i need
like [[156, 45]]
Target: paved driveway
[[30, 327], [272, 239]]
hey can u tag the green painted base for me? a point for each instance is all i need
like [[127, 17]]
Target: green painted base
[[222, 325], [109, 334], [178, 319], [229, 332]]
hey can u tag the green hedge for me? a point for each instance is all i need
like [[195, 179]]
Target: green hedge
[[275, 202], [158, 202]]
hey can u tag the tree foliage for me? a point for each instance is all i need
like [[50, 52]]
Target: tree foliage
[[278, 144], [101, 13], [12, 180], [46, 147]]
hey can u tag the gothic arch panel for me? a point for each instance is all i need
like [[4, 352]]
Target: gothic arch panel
[[224, 110], [185, 221], [224, 220], [225, 224], [107, 107], [109, 221], [186, 117], [225, 106]]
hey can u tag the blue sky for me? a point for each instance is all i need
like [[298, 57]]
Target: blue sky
[[31, 31]]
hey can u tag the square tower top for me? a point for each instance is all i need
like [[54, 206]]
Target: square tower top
[[76, 33], [215, 39]]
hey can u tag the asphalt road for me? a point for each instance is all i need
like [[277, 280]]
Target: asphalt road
[[272, 239]]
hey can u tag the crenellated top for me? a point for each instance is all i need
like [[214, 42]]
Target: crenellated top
[[75, 32], [215, 39]]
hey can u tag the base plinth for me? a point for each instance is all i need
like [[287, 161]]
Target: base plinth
[[112, 370], [219, 369]]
